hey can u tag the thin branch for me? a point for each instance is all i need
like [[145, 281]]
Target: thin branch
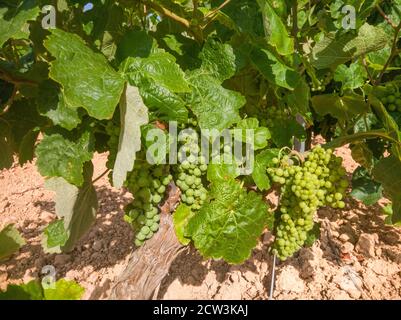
[[101, 176], [295, 24], [210, 14], [195, 4], [8, 78], [10, 101], [368, 71], [386, 17], [393, 53], [168, 13]]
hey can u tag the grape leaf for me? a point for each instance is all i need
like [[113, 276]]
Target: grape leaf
[[164, 103], [54, 237], [364, 188], [388, 172], [52, 104], [218, 59], [134, 43], [275, 29], [332, 51], [78, 206], [6, 146], [343, 108], [181, 217], [33, 290], [159, 78], [26, 151], [283, 132], [299, 99], [215, 107], [58, 156], [87, 79], [229, 224], [13, 20], [222, 171], [261, 135], [10, 241], [263, 160], [362, 154], [352, 77], [160, 67], [29, 291], [134, 114], [64, 290], [275, 71]]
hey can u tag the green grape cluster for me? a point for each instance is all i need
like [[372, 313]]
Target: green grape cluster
[[392, 99], [319, 181], [148, 183], [113, 130], [190, 173], [273, 114]]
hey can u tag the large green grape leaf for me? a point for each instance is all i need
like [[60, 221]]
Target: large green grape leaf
[[76, 205], [160, 67], [246, 16], [343, 108], [87, 79], [12, 21], [364, 188], [218, 59], [332, 51], [64, 290], [215, 107], [134, 114], [52, 104], [134, 43], [165, 104], [274, 70], [263, 160], [388, 172], [59, 156], [10, 241], [229, 223], [159, 79], [275, 29]]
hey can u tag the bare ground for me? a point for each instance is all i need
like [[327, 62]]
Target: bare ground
[[356, 257]]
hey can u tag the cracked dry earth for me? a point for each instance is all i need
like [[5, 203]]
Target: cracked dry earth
[[356, 257]]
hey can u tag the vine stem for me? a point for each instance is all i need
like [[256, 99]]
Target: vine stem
[[101, 176], [295, 24], [168, 13], [368, 71], [386, 17], [210, 14], [10, 101]]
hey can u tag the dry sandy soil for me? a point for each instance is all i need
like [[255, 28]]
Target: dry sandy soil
[[356, 257]]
